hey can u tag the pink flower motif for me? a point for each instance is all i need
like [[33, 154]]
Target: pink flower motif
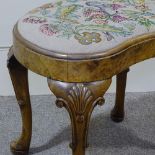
[[97, 14], [116, 6], [48, 30], [93, 13], [101, 22], [118, 18], [87, 12], [34, 20]]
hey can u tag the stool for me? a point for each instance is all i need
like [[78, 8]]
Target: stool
[[79, 45]]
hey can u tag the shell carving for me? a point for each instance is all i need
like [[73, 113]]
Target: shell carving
[[80, 96]]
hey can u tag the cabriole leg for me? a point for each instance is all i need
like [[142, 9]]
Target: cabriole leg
[[79, 99], [117, 114], [19, 77]]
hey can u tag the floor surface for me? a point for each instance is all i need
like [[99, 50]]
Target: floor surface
[[52, 134]]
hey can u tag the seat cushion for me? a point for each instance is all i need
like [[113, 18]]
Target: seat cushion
[[86, 26]]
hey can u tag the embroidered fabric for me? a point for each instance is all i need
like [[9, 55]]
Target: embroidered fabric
[[87, 26]]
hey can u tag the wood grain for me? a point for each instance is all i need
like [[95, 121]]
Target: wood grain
[[79, 99], [19, 77], [86, 70], [117, 113], [78, 81]]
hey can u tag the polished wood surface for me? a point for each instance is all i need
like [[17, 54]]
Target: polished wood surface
[[78, 81], [79, 99], [70, 70], [117, 113], [19, 77]]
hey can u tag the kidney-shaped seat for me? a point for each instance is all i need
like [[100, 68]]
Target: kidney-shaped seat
[[79, 45]]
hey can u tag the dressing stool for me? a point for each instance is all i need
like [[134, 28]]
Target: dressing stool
[[79, 45]]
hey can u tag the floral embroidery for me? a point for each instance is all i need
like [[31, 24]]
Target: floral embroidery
[[34, 20], [44, 7], [87, 38], [116, 6], [48, 29], [118, 18], [91, 22]]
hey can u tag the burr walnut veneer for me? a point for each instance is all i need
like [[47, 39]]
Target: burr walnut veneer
[[78, 79]]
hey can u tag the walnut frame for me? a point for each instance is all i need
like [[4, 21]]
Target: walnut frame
[[90, 74]]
